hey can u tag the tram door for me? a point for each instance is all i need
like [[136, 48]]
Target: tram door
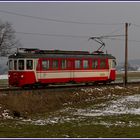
[[70, 64]]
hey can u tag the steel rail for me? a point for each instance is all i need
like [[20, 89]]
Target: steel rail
[[68, 86]]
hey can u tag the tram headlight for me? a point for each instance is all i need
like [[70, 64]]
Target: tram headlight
[[22, 76]]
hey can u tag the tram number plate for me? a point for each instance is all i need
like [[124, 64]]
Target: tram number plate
[[102, 74]]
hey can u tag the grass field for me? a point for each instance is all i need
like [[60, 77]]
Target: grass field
[[3, 81], [131, 75], [88, 128], [105, 112]]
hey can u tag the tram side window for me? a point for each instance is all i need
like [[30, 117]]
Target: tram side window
[[29, 64], [95, 64], [77, 64], [10, 64], [64, 64], [15, 64], [21, 64], [45, 64], [55, 64], [85, 64], [102, 63]]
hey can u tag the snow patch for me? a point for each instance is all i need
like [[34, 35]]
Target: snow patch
[[4, 76], [91, 90], [125, 105], [118, 87], [5, 114], [117, 123]]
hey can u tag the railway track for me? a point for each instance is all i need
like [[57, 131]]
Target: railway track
[[67, 86]]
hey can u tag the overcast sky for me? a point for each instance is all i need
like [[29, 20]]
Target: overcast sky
[[70, 20]]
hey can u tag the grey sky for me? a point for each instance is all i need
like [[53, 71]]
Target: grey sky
[[106, 13]]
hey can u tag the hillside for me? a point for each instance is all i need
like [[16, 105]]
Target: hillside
[[133, 65]]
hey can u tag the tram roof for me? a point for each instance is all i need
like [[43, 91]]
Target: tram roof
[[68, 54]]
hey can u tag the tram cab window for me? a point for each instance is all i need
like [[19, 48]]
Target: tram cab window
[[45, 64], [21, 64], [85, 64], [29, 64], [102, 63], [95, 64], [77, 64], [64, 64], [10, 64], [55, 64], [15, 64], [113, 63]]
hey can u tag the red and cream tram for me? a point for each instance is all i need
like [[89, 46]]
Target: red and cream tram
[[34, 67]]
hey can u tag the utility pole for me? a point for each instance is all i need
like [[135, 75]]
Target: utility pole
[[126, 53]]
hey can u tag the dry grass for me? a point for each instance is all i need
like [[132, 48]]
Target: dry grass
[[32, 102], [28, 103]]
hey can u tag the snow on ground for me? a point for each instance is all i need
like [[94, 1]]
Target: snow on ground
[[124, 105], [5, 76], [52, 120], [121, 106]]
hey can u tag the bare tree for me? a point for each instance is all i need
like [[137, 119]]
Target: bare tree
[[8, 39]]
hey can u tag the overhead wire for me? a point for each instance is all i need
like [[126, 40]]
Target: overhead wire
[[57, 20], [116, 30], [66, 35], [52, 35], [136, 25], [109, 36], [132, 40]]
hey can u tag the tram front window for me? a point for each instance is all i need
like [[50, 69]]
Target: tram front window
[[113, 63], [29, 64], [21, 64], [10, 64], [15, 64]]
